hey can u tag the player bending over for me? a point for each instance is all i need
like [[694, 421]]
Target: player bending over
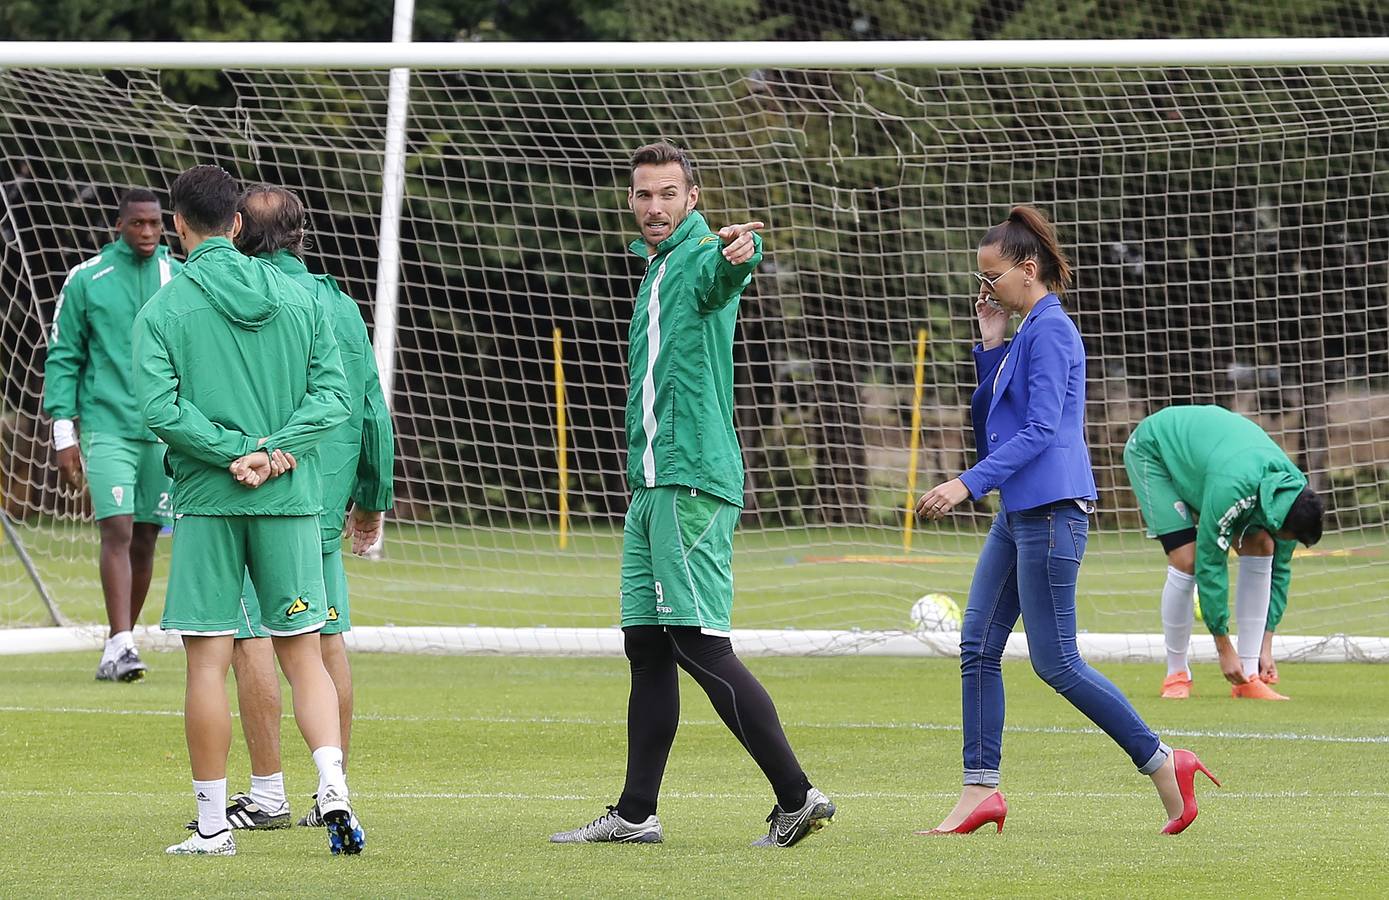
[[1208, 480]]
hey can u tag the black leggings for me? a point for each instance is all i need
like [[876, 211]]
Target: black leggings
[[653, 713]]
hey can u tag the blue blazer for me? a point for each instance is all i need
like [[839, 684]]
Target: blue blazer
[[1029, 414]]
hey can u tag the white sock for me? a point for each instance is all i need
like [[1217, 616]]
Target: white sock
[[268, 791], [212, 806], [330, 773], [1251, 609], [1177, 617], [117, 643]]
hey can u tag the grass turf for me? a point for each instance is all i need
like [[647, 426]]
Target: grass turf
[[828, 578], [462, 767]]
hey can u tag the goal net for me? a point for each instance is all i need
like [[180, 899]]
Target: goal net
[[1229, 228]]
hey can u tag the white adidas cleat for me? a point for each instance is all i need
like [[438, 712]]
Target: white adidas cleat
[[220, 844]]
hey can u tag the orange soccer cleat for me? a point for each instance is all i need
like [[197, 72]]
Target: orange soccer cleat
[[1255, 689], [1176, 686]]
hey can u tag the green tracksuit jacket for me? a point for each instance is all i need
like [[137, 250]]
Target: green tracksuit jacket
[[228, 352], [89, 373], [680, 364], [357, 459], [1235, 478]]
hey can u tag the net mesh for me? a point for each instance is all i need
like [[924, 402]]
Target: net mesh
[[1228, 229]]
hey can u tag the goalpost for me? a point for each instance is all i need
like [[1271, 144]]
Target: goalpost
[[1224, 202]]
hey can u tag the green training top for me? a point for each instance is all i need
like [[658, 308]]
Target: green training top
[[680, 364], [228, 352], [90, 374], [1230, 473], [357, 458]]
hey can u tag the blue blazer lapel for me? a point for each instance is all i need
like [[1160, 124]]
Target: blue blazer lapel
[[1010, 365], [1017, 346]]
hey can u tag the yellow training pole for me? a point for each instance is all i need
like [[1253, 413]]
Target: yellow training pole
[[916, 440], [563, 436]]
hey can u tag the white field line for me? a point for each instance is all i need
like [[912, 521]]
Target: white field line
[[702, 795], [1289, 736]]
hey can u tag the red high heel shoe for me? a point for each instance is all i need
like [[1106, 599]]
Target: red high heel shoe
[[1187, 765], [992, 808]]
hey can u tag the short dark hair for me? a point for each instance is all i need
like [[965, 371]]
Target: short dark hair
[[272, 218], [206, 198], [1305, 517], [135, 195], [662, 152]]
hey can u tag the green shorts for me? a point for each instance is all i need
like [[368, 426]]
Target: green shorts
[[126, 478], [677, 559], [214, 554], [335, 591], [1164, 511]]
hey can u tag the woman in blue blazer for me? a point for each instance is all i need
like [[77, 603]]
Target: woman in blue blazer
[[1029, 427]]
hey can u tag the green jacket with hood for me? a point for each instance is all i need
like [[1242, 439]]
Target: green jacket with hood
[[1230, 473], [357, 458], [680, 364], [228, 352], [89, 373]]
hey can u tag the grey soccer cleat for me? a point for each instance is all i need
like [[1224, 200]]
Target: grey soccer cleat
[[612, 828], [125, 667], [789, 827], [245, 813]]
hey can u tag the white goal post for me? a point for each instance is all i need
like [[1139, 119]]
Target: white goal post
[[1223, 200]]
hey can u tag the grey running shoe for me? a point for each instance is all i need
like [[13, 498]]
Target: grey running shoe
[[314, 819], [789, 827], [128, 667], [612, 828], [245, 813]]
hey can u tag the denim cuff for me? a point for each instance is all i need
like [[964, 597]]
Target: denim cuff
[[1156, 760], [985, 777]]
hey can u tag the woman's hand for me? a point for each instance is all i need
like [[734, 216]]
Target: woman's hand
[[941, 499], [993, 321]]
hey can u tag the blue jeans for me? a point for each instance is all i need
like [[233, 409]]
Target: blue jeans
[[1029, 564]]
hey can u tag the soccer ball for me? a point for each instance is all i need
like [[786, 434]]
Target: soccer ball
[[936, 612]]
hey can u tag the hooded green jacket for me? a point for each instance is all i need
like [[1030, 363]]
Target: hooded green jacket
[[680, 364], [89, 373], [1230, 473], [229, 352], [357, 458]]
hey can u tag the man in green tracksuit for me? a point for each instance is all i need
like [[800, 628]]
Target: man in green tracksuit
[[1208, 481], [356, 461], [89, 377], [239, 373], [686, 473]]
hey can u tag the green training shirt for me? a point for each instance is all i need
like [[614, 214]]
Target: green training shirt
[[90, 374], [357, 458], [1230, 473], [228, 352], [680, 364]]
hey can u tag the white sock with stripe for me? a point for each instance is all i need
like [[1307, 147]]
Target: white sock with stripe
[[1251, 609], [1177, 616], [268, 791], [330, 773], [212, 806]]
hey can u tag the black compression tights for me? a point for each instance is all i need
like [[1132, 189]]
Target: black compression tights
[[653, 713]]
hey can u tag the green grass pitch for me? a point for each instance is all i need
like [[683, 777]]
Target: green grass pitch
[[462, 766]]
